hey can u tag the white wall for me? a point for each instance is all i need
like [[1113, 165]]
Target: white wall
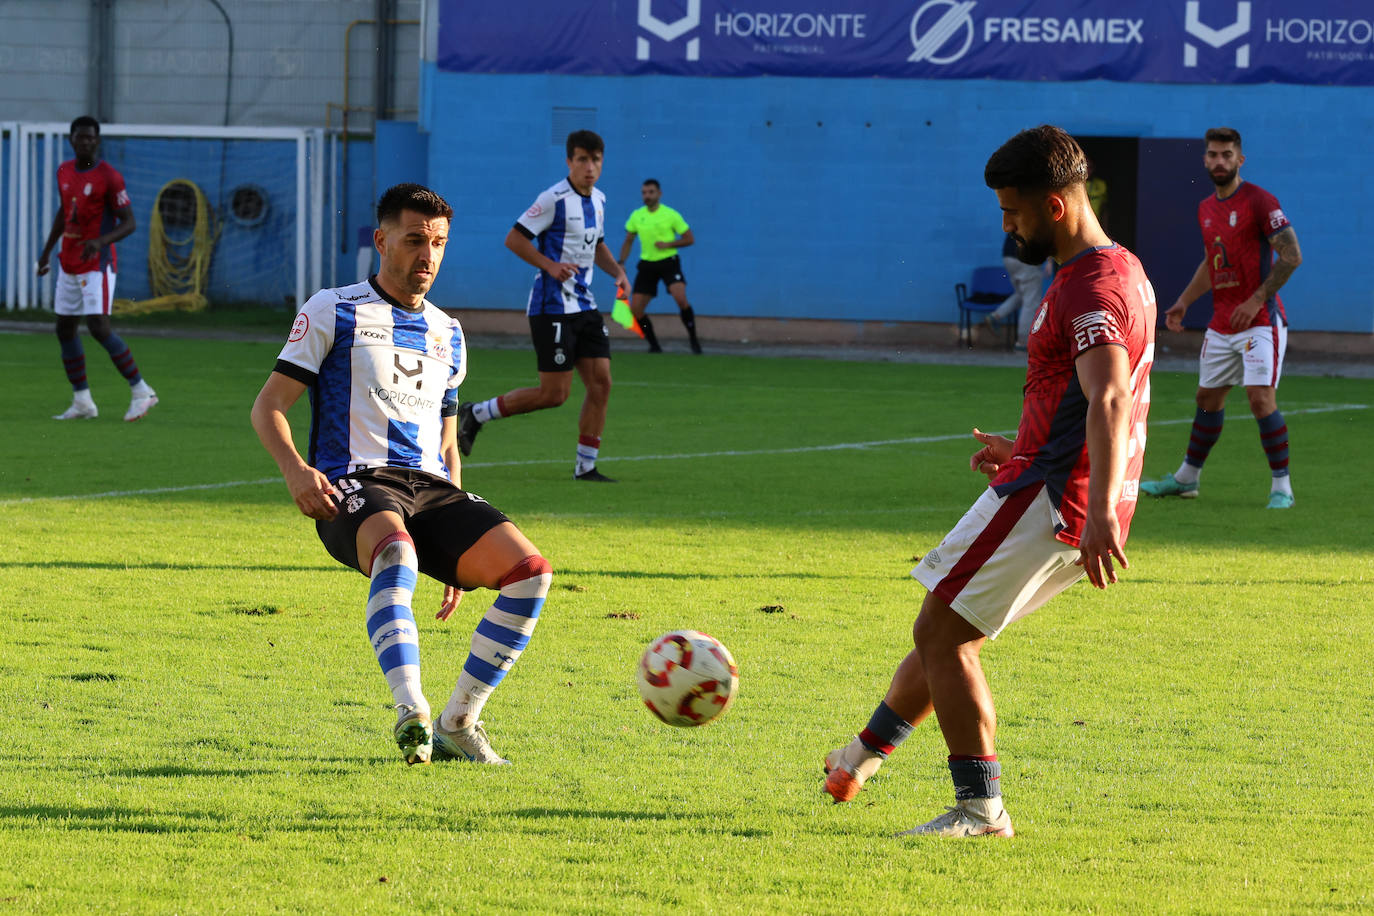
[[170, 61]]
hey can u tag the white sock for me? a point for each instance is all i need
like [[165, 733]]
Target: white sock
[[498, 641], [391, 623], [486, 411], [989, 809], [83, 397], [1282, 484], [141, 389], [586, 456], [1187, 473]]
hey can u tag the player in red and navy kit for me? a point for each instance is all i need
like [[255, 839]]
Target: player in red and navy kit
[[382, 479], [1060, 498], [94, 214], [1243, 227], [563, 234]]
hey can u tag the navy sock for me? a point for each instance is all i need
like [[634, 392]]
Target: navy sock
[[74, 361], [975, 777], [123, 359], [885, 730], [689, 319], [1206, 432], [1274, 438]]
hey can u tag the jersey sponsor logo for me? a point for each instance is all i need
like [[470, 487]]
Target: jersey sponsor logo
[[1092, 327], [374, 334], [410, 372], [357, 298], [402, 398], [298, 329]]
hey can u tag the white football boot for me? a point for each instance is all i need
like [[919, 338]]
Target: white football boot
[[83, 408], [470, 744], [414, 734], [971, 817], [144, 397]]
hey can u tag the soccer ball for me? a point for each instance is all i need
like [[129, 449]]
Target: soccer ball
[[687, 678]]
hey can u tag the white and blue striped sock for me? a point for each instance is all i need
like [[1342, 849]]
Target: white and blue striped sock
[[499, 639], [390, 621], [488, 410]]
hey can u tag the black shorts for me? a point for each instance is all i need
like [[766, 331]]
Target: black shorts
[[648, 273], [441, 519], [561, 340]]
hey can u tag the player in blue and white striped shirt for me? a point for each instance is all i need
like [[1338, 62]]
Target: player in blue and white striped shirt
[[563, 234], [382, 479]]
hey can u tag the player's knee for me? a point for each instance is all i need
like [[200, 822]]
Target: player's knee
[[99, 326], [552, 397], [532, 569]]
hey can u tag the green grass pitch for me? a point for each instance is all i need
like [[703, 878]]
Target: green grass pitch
[[194, 722]]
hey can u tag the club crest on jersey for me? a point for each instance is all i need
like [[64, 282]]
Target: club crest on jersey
[[87, 190], [559, 357], [439, 347], [298, 329], [1233, 219], [353, 504], [1040, 316]]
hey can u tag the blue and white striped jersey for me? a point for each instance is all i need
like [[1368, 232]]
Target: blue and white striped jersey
[[379, 375], [566, 227]]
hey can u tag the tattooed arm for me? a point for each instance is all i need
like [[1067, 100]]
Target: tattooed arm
[[1285, 242]]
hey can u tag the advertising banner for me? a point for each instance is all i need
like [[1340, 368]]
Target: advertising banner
[[1316, 42]]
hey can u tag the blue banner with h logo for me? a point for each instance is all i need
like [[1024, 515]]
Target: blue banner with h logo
[[1317, 42]]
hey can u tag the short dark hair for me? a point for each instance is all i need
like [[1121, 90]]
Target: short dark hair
[[85, 121], [588, 140], [1222, 135], [410, 196], [654, 182], [1040, 159]]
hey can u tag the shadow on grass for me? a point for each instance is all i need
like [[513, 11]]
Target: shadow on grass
[[215, 567], [559, 572], [176, 771]]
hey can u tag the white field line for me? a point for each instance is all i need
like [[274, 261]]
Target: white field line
[[727, 453]]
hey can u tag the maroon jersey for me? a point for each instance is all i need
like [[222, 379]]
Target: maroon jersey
[[1101, 296], [1236, 232], [89, 202]]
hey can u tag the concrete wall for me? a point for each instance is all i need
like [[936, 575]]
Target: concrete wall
[[864, 199]]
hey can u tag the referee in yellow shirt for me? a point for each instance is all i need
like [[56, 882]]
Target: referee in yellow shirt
[[661, 231]]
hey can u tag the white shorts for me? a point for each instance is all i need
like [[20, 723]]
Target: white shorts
[[1252, 358], [84, 294], [1001, 561]]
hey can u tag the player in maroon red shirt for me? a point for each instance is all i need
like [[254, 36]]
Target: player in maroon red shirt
[[93, 214], [1061, 495], [1242, 227]]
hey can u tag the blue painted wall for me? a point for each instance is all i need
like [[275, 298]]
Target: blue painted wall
[[864, 199]]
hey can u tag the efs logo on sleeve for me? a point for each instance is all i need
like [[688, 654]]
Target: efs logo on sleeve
[[299, 328]]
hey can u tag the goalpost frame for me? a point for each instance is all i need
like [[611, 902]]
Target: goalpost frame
[[37, 148]]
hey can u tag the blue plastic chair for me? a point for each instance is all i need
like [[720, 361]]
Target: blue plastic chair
[[988, 288]]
